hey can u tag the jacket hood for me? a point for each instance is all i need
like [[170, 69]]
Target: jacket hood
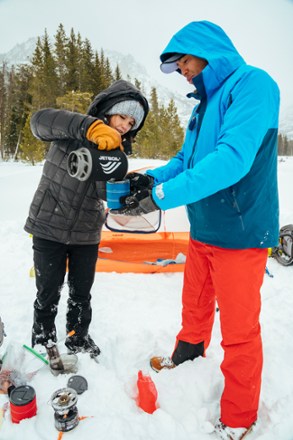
[[119, 91], [206, 40]]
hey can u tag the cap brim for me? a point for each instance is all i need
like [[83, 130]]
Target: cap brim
[[169, 67]]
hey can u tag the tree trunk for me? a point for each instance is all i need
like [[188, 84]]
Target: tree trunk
[[16, 148]]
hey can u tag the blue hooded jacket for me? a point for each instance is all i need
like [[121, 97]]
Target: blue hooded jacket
[[226, 170]]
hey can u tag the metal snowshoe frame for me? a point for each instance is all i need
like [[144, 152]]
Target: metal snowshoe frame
[[283, 253]]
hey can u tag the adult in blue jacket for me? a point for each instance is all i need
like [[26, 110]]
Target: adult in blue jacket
[[226, 175]]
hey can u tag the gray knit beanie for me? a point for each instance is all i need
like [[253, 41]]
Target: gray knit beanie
[[131, 108]]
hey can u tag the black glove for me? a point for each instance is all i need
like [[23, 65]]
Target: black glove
[[139, 181], [139, 203]]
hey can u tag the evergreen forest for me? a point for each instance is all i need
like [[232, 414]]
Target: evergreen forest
[[67, 73]]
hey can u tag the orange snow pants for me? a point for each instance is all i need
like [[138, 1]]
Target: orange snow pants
[[233, 278]]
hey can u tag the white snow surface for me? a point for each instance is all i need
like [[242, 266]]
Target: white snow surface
[[136, 316]]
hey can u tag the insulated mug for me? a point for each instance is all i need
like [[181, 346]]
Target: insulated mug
[[115, 190]]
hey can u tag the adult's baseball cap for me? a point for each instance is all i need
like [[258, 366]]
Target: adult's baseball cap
[[170, 65]]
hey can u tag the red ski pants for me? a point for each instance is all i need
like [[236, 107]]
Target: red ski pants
[[233, 278]]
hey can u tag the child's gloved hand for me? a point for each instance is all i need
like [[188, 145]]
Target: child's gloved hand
[[105, 137]]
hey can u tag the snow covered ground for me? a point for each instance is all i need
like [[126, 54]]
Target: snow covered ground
[[134, 317]]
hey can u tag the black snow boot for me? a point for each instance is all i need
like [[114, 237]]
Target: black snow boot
[[187, 352], [85, 344]]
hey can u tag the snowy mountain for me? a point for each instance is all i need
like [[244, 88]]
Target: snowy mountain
[[131, 69], [19, 54]]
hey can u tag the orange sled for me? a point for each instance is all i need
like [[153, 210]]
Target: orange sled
[[142, 253]]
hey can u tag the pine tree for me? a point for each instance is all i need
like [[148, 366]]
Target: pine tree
[[97, 75], [18, 105], [154, 102], [32, 149], [3, 74], [86, 67], [138, 84], [75, 101], [60, 54], [108, 73], [149, 138], [285, 146], [117, 74], [36, 84], [72, 63], [173, 132], [44, 84], [79, 52], [103, 78], [146, 144], [49, 76]]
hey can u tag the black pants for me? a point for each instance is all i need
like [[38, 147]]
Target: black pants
[[50, 260]]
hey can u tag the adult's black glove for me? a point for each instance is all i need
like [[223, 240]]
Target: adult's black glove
[[139, 181], [139, 203]]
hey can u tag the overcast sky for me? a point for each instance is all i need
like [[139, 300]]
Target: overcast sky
[[262, 30]]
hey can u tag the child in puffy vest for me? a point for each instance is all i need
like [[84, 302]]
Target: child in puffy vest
[[66, 215]]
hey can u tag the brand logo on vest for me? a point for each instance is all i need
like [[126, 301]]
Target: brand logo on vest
[[110, 167], [116, 159]]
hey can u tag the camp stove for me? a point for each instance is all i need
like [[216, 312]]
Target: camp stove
[[64, 402]]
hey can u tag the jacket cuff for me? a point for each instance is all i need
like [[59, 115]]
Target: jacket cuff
[[158, 195]]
